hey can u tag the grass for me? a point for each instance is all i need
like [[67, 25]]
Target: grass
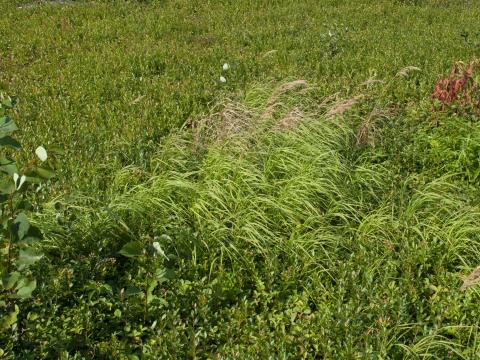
[[108, 82], [331, 217]]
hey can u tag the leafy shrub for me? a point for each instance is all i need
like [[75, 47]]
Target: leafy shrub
[[17, 237]]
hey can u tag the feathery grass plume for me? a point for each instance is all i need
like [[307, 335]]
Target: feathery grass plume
[[407, 70], [371, 82], [472, 279], [328, 100], [368, 126], [290, 120], [236, 118], [364, 132], [232, 119], [281, 90], [344, 105], [268, 53]]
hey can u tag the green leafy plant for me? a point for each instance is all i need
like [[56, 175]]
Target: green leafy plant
[[335, 39], [151, 271], [18, 236]]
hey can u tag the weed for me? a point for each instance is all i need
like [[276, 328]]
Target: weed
[[460, 88]]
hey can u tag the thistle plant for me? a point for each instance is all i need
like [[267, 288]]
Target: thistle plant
[[18, 237]]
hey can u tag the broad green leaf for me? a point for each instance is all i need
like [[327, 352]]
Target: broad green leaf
[[24, 288], [7, 186], [8, 320], [21, 225], [28, 257], [45, 173], [132, 291], [34, 234], [8, 102], [7, 126], [132, 249], [8, 166], [9, 141], [9, 280], [164, 274]]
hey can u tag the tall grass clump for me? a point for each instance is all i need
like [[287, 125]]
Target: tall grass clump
[[261, 230]]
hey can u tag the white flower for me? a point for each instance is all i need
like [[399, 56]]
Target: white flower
[[41, 153], [226, 66], [18, 184], [158, 248], [222, 79]]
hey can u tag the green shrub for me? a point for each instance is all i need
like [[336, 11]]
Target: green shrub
[[18, 237]]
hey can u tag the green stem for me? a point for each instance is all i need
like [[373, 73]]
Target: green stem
[[145, 312], [9, 250], [10, 235]]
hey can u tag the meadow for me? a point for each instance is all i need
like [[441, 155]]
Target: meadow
[[317, 202]]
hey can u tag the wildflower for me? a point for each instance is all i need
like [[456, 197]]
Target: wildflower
[[18, 180], [158, 248], [222, 79], [226, 66], [41, 153]]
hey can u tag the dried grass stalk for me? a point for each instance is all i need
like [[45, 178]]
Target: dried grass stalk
[[472, 279], [343, 106], [291, 120], [284, 88], [407, 70]]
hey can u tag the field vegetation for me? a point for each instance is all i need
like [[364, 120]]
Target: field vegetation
[[240, 179]]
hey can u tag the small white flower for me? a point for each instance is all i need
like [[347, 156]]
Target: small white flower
[[158, 248], [41, 153], [18, 184], [222, 79], [226, 66], [22, 180]]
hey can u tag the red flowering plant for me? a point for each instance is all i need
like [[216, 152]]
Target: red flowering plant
[[460, 90]]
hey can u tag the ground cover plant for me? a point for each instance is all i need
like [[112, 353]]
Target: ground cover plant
[[244, 179]]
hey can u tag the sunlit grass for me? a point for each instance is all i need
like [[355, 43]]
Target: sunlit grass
[[285, 158], [107, 82], [371, 260]]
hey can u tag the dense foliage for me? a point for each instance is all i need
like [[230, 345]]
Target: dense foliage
[[209, 209]]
